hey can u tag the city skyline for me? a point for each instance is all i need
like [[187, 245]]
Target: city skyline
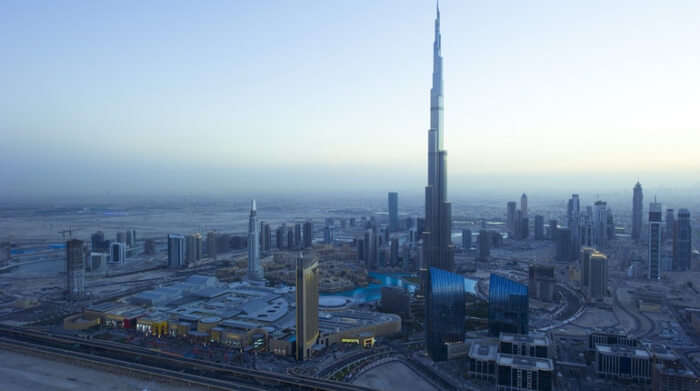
[[109, 105]]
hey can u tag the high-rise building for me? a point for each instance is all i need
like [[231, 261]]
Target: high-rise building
[[130, 238], [598, 274], [444, 316], [553, 227], [563, 245], [573, 216], [539, 227], [510, 216], [585, 228], [117, 252], [670, 220], [309, 232], [97, 241], [682, 241], [193, 248], [75, 268], [307, 276], [437, 242], [393, 211], [466, 239], [176, 251], [585, 265], [255, 270], [149, 247], [655, 241], [637, 211], [97, 262], [600, 224], [290, 238], [484, 245], [394, 256], [523, 205], [329, 234], [508, 306], [298, 243], [541, 282], [211, 245]]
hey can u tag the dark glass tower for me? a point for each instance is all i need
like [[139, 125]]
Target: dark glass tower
[[438, 250], [508, 306], [637, 210], [393, 211], [444, 316], [682, 241]]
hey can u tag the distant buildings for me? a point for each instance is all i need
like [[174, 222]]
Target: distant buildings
[[265, 237], [98, 242], [598, 276], [176, 251], [193, 248], [600, 225], [445, 310], [75, 268], [510, 216], [466, 239], [130, 238], [541, 282], [309, 232], [307, 279], [484, 245], [637, 211], [211, 245], [523, 205], [682, 241], [508, 306], [539, 227], [298, 243], [573, 216], [117, 252], [563, 245], [97, 262], [393, 212], [655, 241], [255, 270], [329, 234], [670, 221]]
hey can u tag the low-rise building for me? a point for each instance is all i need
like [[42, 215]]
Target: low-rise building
[[481, 361], [521, 373], [623, 363], [533, 345]]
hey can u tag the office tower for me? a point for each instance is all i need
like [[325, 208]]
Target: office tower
[[280, 235], [176, 251], [523, 205], [563, 249], [524, 228], [510, 216], [655, 241], [265, 237], [585, 228], [573, 216], [211, 245], [444, 316], [130, 238], [97, 241], [553, 227], [541, 282], [484, 245], [598, 274], [290, 238], [255, 270], [600, 224], [75, 268], [117, 252], [539, 227], [352, 221], [393, 212], [361, 249], [369, 234], [97, 262], [637, 211], [394, 256], [466, 239], [585, 265], [309, 233], [149, 247], [517, 222], [508, 306], [437, 242], [307, 275], [297, 236], [670, 219], [682, 241], [329, 234], [611, 225], [193, 247]]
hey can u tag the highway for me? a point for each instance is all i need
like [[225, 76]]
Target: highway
[[159, 364]]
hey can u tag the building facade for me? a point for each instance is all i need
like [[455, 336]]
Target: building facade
[[393, 211], [637, 211], [682, 241], [508, 306], [655, 242], [307, 279], [445, 310], [75, 268], [255, 270], [176, 251]]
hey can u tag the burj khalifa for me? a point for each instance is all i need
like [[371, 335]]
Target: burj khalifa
[[438, 250]]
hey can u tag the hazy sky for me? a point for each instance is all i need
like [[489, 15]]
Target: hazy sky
[[197, 97]]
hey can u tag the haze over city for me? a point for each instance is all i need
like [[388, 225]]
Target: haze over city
[[243, 97]]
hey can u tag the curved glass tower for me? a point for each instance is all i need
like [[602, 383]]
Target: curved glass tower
[[508, 306], [444, 311]]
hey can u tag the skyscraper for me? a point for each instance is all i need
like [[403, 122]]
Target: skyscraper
[[437, 243], [307, 276], [176, 251], [637, 210], [211, 245], [523, 205], [393, 212], [444, 316], [508, 306], [573, 216], [682, 241], [600, 224], [117, 251], [466, 239], [484, 245], [193, 247], [510, 216], [655, 241], [539, 227], [75, 267], [255, 271], [308, 234], [670, 220], [298, 244], [598, 276]]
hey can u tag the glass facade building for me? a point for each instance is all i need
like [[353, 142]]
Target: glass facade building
[[444, 311], [508, 306]]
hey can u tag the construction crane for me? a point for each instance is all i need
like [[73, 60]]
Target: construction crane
[[68, 231]]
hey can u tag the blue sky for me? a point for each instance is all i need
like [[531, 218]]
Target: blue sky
[[167, 96]]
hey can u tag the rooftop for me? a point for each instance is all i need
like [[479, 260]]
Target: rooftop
[[483, 351], [524, 362], [622, 350], [532, 339]]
